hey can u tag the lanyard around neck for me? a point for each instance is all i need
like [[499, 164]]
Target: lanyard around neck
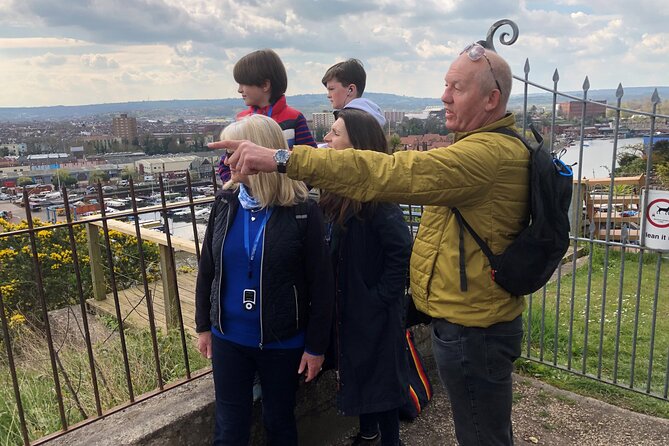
[[251, 251], [269, 110]]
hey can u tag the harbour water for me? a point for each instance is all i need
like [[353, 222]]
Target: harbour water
[[178, 227], [597, 156]]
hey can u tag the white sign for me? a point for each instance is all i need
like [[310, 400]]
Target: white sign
[[657, 219]]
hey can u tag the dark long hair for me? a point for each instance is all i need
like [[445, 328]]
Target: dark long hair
[[365, 133]]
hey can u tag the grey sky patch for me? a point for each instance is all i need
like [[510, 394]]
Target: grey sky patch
[[121, 21]]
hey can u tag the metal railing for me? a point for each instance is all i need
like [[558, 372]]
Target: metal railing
[[75, 265], [631, 349]]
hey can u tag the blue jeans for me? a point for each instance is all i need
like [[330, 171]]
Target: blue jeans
[[475, 366], [234, 368]]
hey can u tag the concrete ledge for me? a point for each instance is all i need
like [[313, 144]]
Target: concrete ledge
[[179, 416], [184, 416]]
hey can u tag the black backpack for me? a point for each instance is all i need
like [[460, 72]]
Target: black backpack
[[530, 260]]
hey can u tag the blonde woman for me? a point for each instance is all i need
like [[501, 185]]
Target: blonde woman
[[264, 294]]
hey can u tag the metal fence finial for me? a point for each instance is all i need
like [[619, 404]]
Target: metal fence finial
[[620, 91], [655, 99], [504, 37]]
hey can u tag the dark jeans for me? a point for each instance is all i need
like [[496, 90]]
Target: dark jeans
[[475, 366], [234, 368], [387, 423]]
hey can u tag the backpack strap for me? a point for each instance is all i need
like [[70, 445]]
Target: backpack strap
[[462, 223], [509, 132], [479, 241]]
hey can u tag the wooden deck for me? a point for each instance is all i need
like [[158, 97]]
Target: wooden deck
[[134, 305]]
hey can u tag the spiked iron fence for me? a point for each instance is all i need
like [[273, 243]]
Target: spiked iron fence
[[630, 347]]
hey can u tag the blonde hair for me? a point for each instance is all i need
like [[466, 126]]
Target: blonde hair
[[270, 189]]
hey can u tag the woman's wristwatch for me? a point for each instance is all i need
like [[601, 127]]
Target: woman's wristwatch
[[281, 157]]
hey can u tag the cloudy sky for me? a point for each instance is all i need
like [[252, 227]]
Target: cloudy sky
[[74, 52]]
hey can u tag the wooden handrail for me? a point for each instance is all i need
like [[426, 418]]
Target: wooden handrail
[[149, 235]]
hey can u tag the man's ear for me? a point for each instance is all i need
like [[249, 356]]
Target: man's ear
[[493, 100], [353, 90]]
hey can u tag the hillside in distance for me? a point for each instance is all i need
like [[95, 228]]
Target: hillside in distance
[[307, 103], [196, 108]]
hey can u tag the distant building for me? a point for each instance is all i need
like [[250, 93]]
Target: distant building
[[203, 167], [13, 171], [8, 162], [394, 116], [47, 160], [425, 142], [77, 152], [124, 127], [322, 120], [427, 111], [155, 166], [574, 109], [15, 149]]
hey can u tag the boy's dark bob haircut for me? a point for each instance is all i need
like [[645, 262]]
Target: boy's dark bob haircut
[[348, 72], [259, 66]]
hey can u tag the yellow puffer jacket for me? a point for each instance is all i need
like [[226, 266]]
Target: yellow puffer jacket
[[485, 175]]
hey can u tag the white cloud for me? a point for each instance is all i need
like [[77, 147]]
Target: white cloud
[[48, 60], [39, 42], [653, 45], [428, 50], [98, 61]]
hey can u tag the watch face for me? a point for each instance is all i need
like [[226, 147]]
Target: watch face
[[281, 156]]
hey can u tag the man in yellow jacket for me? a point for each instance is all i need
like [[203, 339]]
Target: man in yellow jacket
[[476, 333]]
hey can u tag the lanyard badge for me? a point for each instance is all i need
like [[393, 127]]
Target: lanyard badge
[[251, 251]]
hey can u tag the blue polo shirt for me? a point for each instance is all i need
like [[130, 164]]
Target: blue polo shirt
[[239, 324]]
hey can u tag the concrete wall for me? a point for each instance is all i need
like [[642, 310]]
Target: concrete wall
[[184, 416]]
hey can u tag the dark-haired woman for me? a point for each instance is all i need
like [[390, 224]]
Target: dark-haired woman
[[370, 245]]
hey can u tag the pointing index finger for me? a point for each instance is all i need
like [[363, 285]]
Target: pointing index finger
[[228, 144]]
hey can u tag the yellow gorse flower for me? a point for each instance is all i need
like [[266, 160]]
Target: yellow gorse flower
[[16, 319]]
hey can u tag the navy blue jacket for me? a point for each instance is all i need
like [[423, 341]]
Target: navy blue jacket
[[371, 259], [296, 288]]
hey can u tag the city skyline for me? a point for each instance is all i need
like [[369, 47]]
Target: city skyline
[[89, 52]]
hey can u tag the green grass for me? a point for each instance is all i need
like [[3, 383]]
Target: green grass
[[627, 321], [37, 385]]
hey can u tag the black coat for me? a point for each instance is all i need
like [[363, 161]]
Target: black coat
[[371, 258], [296, 290]]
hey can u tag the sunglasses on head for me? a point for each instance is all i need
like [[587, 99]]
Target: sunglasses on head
[[476, 51]]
